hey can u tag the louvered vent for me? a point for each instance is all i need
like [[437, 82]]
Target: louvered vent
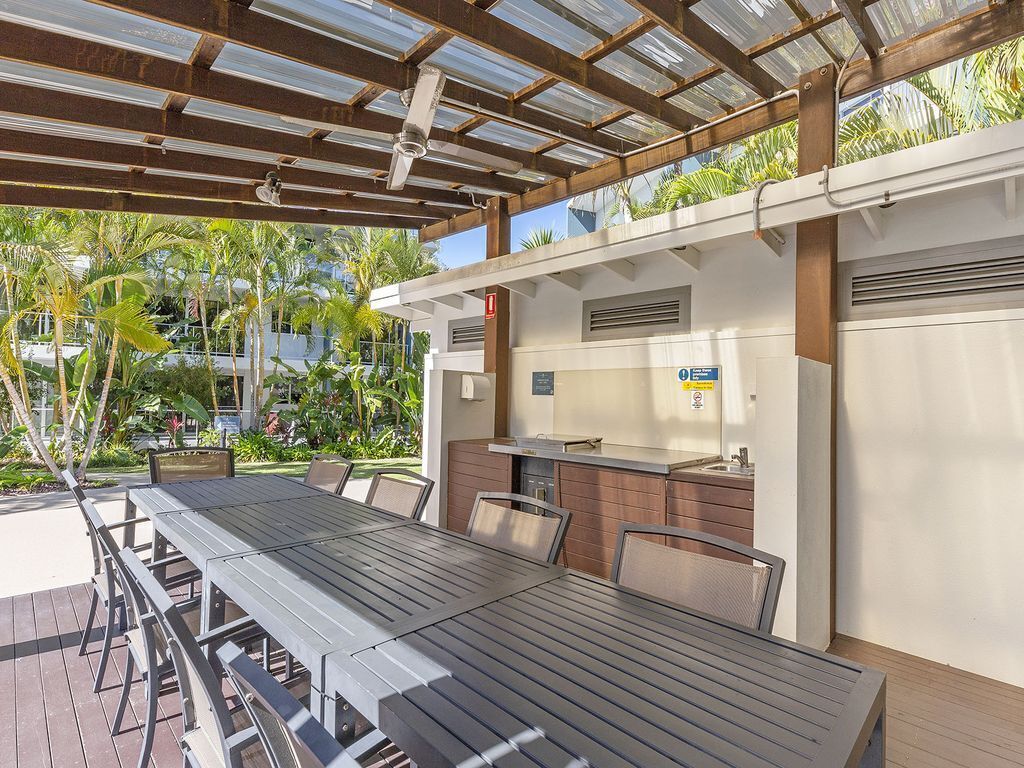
[[638, 314], [466, 334], [951, 282]]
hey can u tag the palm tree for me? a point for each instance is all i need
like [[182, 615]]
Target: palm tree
[[535, 238]]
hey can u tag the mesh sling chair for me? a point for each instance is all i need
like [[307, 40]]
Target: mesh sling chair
[[328, 472], [214, 734], [106, 586], [172, 465], [399, 491], [737, 583], [537, 529]]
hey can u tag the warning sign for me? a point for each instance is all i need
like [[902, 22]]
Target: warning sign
[[705, 386], [697, 400]]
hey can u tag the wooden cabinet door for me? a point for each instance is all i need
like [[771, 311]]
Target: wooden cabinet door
[[716, 509], [471, 469]]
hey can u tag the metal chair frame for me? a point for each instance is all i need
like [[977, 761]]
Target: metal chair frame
[[776, 565], [425, 482], [154, 459], [333, 459], [545, 509]]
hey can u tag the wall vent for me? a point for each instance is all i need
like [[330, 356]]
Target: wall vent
[[466, 334], [651, 313], [954, 280]]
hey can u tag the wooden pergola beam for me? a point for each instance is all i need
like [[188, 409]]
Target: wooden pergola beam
[[27, 44], [88, 200], [147, 156], [856, 15], [505, 39], [236, 24], [105, 113], [970, 34], [63, 175], [681, 21]]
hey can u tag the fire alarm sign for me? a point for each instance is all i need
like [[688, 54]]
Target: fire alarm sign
[[490, 306]]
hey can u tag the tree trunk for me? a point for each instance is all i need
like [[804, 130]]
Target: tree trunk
[[62, 381], [209, 358], [24, 416], [234, 349], [280, 322], [261, 362], [97, 420]]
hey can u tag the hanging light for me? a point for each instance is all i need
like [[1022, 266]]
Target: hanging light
[[270, 190]]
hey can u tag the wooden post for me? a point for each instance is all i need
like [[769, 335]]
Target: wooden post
[[496, 328], [817, 246]]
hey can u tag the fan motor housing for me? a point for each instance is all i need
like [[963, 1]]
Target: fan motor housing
[[411, 144]]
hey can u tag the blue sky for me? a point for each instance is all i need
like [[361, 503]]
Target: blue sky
[[468, 247]]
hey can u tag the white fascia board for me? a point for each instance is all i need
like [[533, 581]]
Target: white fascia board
[[989, 155]]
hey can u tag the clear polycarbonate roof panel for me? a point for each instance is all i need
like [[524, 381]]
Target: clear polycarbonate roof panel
[[390, 104], [63, 161], [841, 39], [241, 116], [897, 20], [508, 135], [697, 102], [480, 67], [578, 155], [219, 150], [201, 176], [84, 85], [374, 144], [639, 129], [542, 19], [611, 15], [276, 70], [71, 130], [787, 63], [746, 22], [574, 103], [86, 20], [664, 48], [728, 90], [365, 23], [626, 67], [322, 165]]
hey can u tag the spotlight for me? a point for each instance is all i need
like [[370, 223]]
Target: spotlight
[[270, 190]]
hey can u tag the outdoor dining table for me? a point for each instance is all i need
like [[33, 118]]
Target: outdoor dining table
[[467, 655]]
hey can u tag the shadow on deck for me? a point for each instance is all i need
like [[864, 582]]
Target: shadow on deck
[[938, 717]]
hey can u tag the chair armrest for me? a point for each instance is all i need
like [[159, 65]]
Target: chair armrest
[[241, 740], [127, 523], [224, 631], [165, 561]]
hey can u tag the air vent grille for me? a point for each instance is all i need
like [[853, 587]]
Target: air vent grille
[[951, 279], [948, 281], [467, 334], [638, 314]]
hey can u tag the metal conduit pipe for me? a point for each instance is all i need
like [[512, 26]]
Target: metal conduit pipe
[[757, 205]]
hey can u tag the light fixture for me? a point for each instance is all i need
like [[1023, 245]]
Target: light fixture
[[270, 190]]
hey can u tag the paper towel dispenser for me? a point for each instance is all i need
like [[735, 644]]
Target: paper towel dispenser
[[474, 387]]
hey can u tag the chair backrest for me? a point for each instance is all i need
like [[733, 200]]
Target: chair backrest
[[178, 464], [290, 734], [734, 582], [79, 493], [536, 529], [400, 491], [328, 472], [204, 709]]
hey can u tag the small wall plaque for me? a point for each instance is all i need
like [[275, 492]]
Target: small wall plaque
[[543, 382]]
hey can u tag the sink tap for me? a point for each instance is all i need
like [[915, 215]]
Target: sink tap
[[742, 457]]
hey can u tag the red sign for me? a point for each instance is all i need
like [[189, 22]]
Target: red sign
[[490, 306]]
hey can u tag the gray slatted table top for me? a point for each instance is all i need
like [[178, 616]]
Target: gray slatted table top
[[578, 671], [158, 498], [319, 597], [212, 532]]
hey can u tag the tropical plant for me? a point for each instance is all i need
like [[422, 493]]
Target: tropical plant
[[539, 236]]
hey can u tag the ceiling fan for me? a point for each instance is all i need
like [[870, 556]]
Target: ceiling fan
[[412, 142]]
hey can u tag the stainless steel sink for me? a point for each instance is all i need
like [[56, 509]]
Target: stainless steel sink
[[729, 468]]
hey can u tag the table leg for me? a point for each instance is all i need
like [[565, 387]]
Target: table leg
[[212, 613], [337, 717], [129, 530], [874, 753], [159, 553]]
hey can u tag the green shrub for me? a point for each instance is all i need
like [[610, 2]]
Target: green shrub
[[115, 455], [299, 453], [389, 443], [210, 437], [16, 476], [255, 445]]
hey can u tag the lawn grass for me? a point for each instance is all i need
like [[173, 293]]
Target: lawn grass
[[362, 469]]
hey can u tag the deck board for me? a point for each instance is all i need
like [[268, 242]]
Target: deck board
[[938, 717], [941, 717]]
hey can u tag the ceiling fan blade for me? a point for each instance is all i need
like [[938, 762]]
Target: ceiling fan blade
[[399, 172], [425, 97], [332, 127], [474, 156]]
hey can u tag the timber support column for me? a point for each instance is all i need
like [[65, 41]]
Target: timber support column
[[817, 251], [496, 320]]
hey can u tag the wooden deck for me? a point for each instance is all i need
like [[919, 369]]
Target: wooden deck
[[938, 717]]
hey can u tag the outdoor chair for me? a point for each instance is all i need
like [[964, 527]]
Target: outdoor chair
[[106, 586], [399, 491], [736, 583], [536, 529], [214, 734], [328, 472], [172, 465]]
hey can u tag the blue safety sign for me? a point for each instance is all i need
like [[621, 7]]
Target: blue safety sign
[[698, 374]]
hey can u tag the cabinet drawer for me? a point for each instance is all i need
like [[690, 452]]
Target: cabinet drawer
[[711, 494], [716, 513]]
